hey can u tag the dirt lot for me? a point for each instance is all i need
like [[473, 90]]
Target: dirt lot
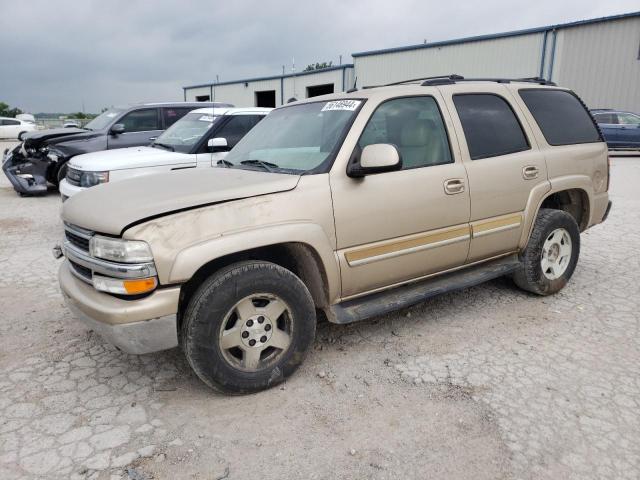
[[486, 383]]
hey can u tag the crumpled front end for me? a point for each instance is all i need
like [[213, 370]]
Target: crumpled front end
[[27, 170]]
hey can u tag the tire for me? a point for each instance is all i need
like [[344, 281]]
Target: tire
[[228, 319], [62, 173], [551, 255]]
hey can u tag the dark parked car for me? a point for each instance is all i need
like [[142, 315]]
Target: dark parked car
[[620, 129], [41, 157]]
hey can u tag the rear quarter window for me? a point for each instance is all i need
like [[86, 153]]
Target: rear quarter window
[[561, 116]]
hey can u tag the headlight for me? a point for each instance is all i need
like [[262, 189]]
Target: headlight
[[52, 154], [117, 250], [91, 179]]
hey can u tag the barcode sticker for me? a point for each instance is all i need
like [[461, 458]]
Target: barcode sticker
[[349, 105]]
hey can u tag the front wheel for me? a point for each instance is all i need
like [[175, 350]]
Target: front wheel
[[551, 255], [248, 327], [62, 173]]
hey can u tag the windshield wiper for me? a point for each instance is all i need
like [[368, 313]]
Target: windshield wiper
[[164, 145], [268, 166]]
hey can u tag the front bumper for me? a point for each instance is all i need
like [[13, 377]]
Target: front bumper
[[27, 175], [138, 326], [67, 190]]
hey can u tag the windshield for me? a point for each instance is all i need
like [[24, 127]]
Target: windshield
[[295, 139], [186, 132], [104, 119]]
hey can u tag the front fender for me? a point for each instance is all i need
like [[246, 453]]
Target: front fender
[[189, 260]]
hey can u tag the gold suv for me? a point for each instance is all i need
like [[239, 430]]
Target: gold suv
[[350, 205]]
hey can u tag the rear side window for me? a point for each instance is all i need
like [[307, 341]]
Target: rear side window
[[490, 126], [561, 116], [606, 118], [172, 115]]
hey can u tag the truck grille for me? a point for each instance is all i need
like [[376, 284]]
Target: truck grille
[[84, 272], [73, 176], [77, 241]]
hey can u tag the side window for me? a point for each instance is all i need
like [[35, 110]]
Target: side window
[[628, 119], [236, 128], [415, 126], [10, 122], [605, 118], [561, 116], [490, 125], [141, 120], [172, 115]]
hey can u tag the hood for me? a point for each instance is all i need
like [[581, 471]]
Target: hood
[[36, 138], [113, 207], [133, 157]]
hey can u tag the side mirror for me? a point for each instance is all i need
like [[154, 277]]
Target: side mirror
[[376, 158], [117, 129], [218, 144]]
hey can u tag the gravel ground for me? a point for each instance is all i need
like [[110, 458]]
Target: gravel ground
[[485, 383]]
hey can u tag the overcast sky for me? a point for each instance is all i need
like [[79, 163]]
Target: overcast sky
[[55, 55]]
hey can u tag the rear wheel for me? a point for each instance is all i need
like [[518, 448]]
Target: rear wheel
[[551, 255], [248, 327]]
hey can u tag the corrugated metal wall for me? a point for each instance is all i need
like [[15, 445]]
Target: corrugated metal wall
[[242, 95], [517, 56], [600, 62]]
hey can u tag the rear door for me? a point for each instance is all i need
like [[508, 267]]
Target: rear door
[[503, 164], [628, 130], [142, 126], [171, 115]]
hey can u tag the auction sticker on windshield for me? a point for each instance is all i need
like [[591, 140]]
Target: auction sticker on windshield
[[206, 118], [341, 105]]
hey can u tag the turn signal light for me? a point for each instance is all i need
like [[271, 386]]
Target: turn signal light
[[136, 287]]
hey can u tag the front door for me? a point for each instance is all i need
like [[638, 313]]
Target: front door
[[141, 128], [398, 226], [502, 167]]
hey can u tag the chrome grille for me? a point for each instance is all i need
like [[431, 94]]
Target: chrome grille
[[78, 241]]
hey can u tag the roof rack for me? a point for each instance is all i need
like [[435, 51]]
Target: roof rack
[[454, 78]]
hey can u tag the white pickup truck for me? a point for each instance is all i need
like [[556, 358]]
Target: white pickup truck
[[201, 138]]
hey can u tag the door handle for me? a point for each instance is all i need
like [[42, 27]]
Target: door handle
[[453, 186], [530, 172]]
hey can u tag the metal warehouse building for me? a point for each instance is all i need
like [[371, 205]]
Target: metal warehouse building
[[598, 58]]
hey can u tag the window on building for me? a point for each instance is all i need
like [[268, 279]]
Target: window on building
[[141, 120], [203, 98], [172, 115], [561, 116], [490, 125], [266, 99], [317, 90], [415, 126]]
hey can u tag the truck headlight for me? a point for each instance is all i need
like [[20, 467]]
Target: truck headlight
[[91, 179], [118, 250]]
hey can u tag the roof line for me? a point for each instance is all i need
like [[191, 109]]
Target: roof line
[[273, 77], [496, 35]]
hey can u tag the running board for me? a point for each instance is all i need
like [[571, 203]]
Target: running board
[[406, 295]]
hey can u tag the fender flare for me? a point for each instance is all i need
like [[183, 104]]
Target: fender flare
[[189, 260]]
